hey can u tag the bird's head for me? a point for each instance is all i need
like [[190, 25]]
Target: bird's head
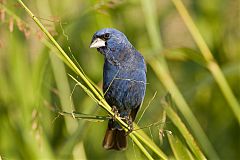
[[109, 39]]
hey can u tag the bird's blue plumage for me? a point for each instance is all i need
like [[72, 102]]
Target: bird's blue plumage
[[124, 74], [124, 84]]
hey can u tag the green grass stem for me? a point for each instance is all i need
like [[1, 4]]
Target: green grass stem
[[161, 70], [183, 129], [180, 151], [211, 63]]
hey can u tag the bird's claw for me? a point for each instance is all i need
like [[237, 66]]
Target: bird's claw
[[130, 124], [115, 111], [127, 119]]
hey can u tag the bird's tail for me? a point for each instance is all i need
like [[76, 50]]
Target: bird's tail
[[115, 137]]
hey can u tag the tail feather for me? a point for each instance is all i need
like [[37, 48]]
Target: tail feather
[[115, 139]]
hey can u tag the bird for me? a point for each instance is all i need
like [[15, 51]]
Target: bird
[[124, 82]]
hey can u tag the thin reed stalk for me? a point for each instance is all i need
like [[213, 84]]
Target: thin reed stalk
[[212, 65], [160, 67]]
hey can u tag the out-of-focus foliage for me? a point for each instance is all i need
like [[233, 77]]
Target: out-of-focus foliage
[[34, 83]]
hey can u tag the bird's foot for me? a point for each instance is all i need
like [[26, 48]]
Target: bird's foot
[[115, 111], [130, 124]]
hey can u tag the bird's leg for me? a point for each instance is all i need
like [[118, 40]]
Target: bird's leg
[[115, 111], [130, 124]]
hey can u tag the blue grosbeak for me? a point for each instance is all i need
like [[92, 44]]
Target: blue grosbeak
[[124, 81]]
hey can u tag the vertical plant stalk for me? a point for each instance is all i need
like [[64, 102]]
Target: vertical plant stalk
[[160, 68], [102, 102], [180, 151], [183, 129], [182, 105], [211, 63], [60, 76]]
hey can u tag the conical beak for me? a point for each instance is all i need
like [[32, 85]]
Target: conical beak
[[97, 43]]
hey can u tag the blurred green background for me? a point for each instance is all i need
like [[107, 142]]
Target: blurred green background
[[34, 83]]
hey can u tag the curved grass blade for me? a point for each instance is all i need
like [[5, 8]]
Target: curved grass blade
[[180, 151], [182, 128], [212, 65]]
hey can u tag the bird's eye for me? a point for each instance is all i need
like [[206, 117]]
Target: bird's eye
[[106, 36]]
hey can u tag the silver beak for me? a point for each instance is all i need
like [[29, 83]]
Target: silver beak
[[97, 43]]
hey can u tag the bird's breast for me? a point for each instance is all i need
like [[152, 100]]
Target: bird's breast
[[124, 87]]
